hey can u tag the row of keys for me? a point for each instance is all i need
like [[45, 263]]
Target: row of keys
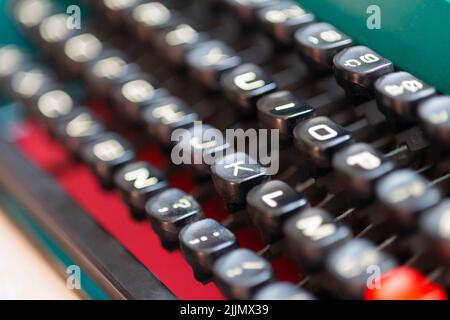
[[358, 63]]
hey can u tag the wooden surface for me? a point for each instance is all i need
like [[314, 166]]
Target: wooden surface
[[25, 272]]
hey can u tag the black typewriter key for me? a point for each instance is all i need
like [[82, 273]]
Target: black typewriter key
[[132, 96], [318, 43], [282, 19], [109, 70], [234, 176], [178, 40], [149, 18], [117, 11], [310, 235], [245, 84], [53, 106], [357, 68], [138, 182], [435, 225], [169, 212], [106, 155], [247, 9], [80, 50], [201, 146], [283, 291], [203, 242], [209, 60], [78, 128], [12, 59], [240, 273], [353, 266], [54, 31], [434, 117], [404, 195], [165, 115], [269, 206], [317, 139], [359, 166], [282, 110], [401, 93], [29, 84], [30, 13]]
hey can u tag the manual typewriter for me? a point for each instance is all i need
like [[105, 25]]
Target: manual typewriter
[[352, 93]]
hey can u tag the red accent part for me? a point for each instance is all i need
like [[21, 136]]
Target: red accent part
[[405, 283]]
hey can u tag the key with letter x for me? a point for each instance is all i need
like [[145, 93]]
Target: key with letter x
[[234, 176]]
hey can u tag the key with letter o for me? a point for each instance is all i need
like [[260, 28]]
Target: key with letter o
[[317, 139]]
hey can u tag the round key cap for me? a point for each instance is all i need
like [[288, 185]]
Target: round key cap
[[53, 106], [241, 272], [405, 283], [209, 60], [117, 11], [149, 18], [175, 42], [434, 116], [283, 291], [200, 147], [166, 114], [401, 93], [435, 225], [78, 128], [317, 139], [169, 212], [30, 83], [357, 68], [108, 71], [245, 84], [12, 58], [106, 155], [282, 110], [271, 204], [318, 43], [80, 49], [138, 182], [30, 13], [234, 176], [54, 31], [282, 19], [203, 242], [404, 194], [132, 96], [353, 266], [360, 166], [310, 235]]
